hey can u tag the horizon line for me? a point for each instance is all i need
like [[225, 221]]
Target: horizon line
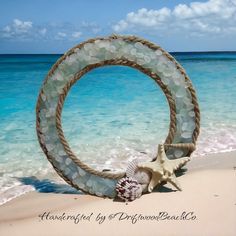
[[224, 51]]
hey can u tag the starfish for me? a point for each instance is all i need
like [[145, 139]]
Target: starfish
[[162, 169]]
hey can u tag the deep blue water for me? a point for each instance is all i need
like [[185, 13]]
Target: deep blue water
[[109, 113]]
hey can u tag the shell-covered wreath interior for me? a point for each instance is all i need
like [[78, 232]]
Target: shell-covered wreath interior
[[116, 48]]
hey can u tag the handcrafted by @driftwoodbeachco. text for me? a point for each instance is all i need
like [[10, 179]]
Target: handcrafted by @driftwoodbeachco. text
[[118, 216]]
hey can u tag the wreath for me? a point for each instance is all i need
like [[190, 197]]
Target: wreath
[[151, 60]]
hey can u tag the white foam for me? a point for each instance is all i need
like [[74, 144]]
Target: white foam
[[14, 192]]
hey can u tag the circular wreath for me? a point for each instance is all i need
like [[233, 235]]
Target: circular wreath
[[130, 51]]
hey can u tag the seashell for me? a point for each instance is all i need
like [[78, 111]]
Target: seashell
[[142, 176], [128, 189], [132, 168]]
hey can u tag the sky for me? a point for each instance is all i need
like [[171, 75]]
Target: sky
[[54, 26]]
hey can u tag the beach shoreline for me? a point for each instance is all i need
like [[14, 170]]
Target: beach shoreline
[[206, 206], [129, 118]]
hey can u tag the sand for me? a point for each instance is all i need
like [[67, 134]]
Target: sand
[[206, 206]]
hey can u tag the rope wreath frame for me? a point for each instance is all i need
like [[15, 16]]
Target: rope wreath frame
[[190, 147]]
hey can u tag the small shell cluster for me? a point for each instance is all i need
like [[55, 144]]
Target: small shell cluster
[[134, 184], [128, 189]]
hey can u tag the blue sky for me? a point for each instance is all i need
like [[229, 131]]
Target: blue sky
[[54, 26]]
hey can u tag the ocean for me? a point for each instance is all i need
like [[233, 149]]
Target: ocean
[[112, 115]]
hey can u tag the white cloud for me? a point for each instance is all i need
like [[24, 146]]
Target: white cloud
[[22, 26], [17, 29], [7, 29], [60, 36], [76, 35], [43, 31], [219, 8], [90, 27], [212, 16], [121, 26]]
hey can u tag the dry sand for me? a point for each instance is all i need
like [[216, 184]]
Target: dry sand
[[208, 200]]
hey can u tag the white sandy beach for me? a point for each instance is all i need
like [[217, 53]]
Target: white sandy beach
[[207, 205]]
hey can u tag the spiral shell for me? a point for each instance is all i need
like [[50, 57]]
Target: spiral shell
[[128, 189]]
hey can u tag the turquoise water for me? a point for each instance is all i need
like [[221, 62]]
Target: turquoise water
[[111, 115]]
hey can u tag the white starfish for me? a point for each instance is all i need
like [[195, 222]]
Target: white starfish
[[162, 169]]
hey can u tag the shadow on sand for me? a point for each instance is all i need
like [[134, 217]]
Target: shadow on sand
[[47, 186]]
